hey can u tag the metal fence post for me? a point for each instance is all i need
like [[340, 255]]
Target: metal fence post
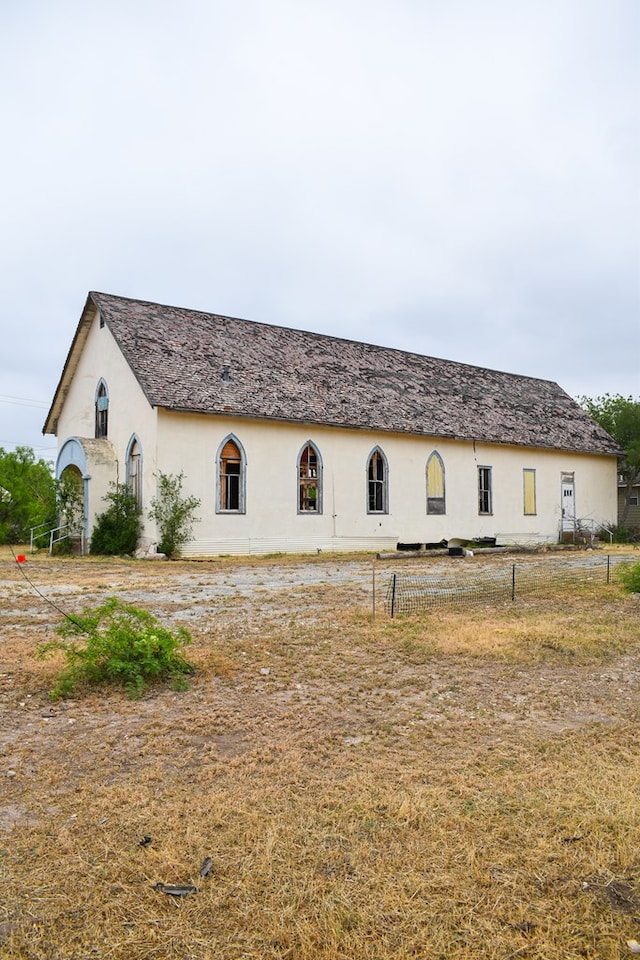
[[608, 568], [373, 577], [393, 595], [513, 582]]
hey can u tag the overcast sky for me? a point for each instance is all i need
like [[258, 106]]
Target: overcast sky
[[458, 178]]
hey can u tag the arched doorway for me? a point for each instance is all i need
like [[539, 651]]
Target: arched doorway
[[95, 465], [73, 482]]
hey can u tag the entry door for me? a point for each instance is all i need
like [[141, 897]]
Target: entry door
[[568, 502]]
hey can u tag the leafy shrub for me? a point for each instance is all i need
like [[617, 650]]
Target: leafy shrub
[[630, 577], [616, 534], [118, 529], [173, 513], [121, 644]]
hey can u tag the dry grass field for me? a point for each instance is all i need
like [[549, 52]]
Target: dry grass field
[[464, 784]]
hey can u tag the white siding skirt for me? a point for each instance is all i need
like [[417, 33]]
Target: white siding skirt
[[245, 546]]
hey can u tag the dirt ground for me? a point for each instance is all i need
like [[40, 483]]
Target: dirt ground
[[500, 735], [243, 608]]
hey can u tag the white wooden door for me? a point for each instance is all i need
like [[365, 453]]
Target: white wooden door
[[568, 503]]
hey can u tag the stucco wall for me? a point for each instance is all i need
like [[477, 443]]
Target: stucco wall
[[129, 414], [174, 442], [272, 523]]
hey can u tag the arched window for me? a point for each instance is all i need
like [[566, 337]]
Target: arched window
[[102, 410], [377, 483], [134, 470], [435, 484], [231, 473], [309, 480]]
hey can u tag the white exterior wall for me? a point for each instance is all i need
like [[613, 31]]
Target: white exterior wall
[[272, 523], [173, 442], [129, 413]]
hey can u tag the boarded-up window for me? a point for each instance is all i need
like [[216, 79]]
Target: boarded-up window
[[377, 483], [230, 478], [529, 481], [309, 480], [435, 485]]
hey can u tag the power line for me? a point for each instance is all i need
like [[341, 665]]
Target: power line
[[23, 401], [21, 443]]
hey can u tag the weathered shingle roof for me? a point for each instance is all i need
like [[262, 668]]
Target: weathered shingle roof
[[179, 358]]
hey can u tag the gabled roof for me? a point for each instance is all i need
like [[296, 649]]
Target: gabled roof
[[189, 361]]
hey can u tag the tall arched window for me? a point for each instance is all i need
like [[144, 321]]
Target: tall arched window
[[435, 484], [134, 470], [231, 473], [102, 410], [309, 480], [377, 483]]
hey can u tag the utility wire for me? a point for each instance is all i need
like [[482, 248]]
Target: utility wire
[[23, 401], [46, 599]]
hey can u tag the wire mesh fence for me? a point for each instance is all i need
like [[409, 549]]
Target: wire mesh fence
[[408, 593]]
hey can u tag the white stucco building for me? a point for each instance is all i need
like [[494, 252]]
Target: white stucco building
[[296, 442]]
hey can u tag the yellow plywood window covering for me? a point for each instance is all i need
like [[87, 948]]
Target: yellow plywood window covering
[[529, 480], [435, 484], [435, 477]]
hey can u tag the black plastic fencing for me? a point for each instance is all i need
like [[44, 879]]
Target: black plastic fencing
[[460, 584]]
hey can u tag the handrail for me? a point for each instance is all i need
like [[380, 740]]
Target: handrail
[[69, 531], [34, 535]]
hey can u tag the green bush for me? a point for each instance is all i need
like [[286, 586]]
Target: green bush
[[121, 644], [630, 577], [117, 530], [616, 534], [173, 513]]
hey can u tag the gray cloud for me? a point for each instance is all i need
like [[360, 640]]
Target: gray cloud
[[460, 180]]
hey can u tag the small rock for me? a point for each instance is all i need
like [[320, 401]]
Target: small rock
[[265, 671]]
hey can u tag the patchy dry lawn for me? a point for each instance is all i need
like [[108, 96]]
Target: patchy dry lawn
[[462, 785]]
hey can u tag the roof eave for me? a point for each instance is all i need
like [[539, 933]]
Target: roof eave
[[73, 356], [462, 438]]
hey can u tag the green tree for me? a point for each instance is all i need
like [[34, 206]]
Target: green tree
[[27, 494], [620, 417], [118, 529], [173, 513]]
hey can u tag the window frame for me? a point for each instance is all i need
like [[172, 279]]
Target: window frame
[[222, 485], [379, 485], [433, 502], [307, 482], [134, 486], [529, 474], [485, 491], [101, 407]]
